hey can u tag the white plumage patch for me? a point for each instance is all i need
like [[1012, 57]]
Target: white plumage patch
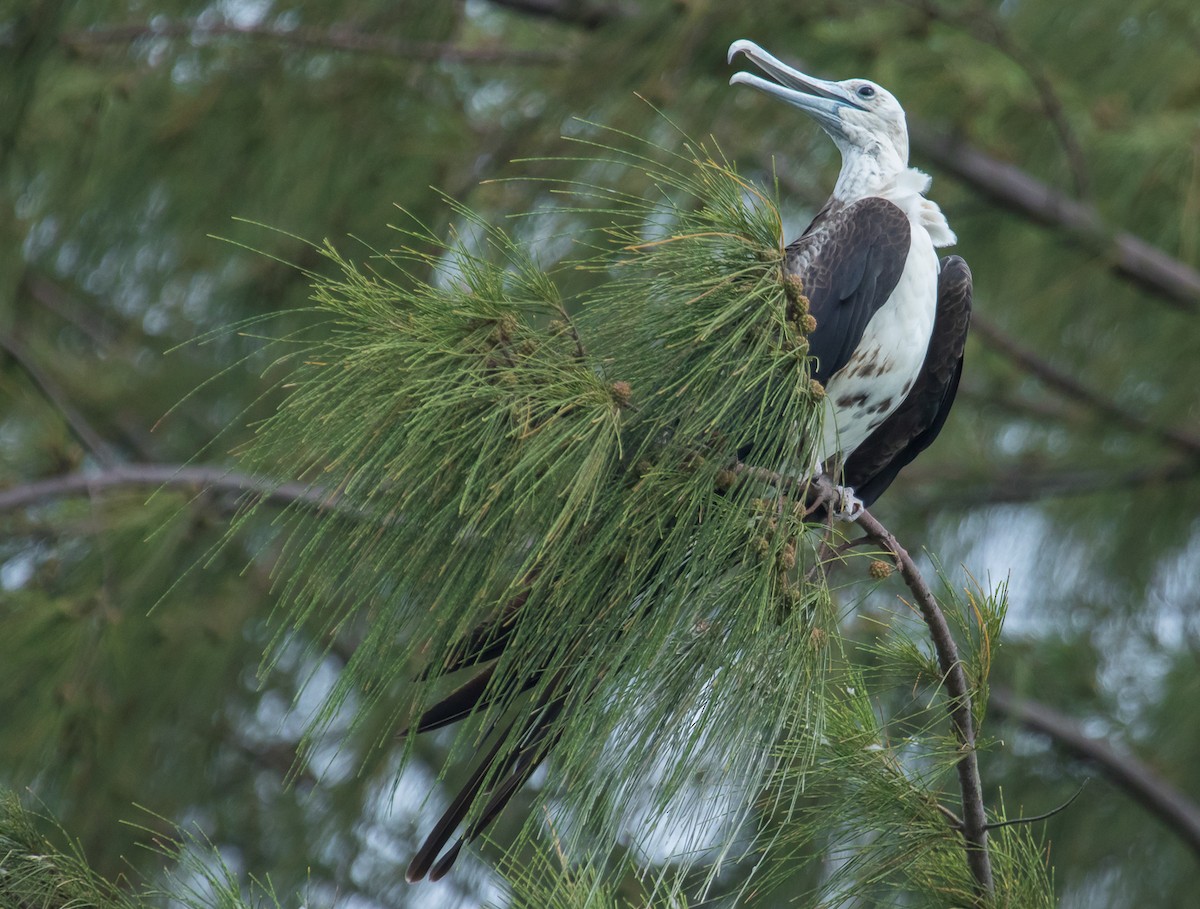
[[888, 359]]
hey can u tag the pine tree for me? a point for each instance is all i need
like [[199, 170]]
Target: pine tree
[[1060, 138], [567, 475]]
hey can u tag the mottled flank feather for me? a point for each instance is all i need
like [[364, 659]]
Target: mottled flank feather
[[914, 425]]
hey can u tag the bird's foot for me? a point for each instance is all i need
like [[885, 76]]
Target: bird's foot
[[846, 505]]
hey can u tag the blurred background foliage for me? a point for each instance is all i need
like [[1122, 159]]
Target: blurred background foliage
[[1060, 136]]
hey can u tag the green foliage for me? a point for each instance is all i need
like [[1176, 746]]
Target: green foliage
[[486, 444], [131, 133], [36, 872], [33, 872], [81, 631], [875, 805], [543, 880]]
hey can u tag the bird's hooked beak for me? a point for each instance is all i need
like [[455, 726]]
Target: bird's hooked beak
[[821, 100]]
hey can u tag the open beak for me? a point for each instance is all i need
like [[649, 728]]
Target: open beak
[[819, 99]]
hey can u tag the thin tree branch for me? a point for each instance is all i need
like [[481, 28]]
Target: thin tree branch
[[1129, 256], [574, 12], [1045, 816], [1018, 485], [1141, 782], [565, 318], [49, 388], [962, 721], [1051, 375], [974, 823], [980, 22], [336, 38], [178, 476]]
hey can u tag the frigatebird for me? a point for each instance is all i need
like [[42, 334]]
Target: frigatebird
[[891, 319], [891, 324]]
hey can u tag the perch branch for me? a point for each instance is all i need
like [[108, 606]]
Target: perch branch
[[974, 824], [974, 820]]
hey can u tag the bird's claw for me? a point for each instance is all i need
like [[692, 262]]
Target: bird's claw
[[847, 506]]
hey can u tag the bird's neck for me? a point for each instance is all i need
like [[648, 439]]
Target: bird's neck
[[867, 175], [867, 172]]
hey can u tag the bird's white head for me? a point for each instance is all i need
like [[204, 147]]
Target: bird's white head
[[864, 119]]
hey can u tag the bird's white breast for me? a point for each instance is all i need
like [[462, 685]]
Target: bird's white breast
[[886, 363]]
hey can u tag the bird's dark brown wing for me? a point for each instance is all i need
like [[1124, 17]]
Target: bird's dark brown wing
[[918, 420], [849, 261]]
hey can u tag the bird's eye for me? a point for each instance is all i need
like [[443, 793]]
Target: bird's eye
[[866, 91]]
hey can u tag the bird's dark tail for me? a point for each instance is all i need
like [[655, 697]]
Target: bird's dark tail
[[497, 777]]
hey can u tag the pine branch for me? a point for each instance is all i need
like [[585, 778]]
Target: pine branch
[[1033, 819], [1140, 781], [177, 476], [495, 457], [45, 383], [1130, 257], [979, 21], [339, 38], [575, 465], [974, 818], [36, 874], [1058, 379]]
